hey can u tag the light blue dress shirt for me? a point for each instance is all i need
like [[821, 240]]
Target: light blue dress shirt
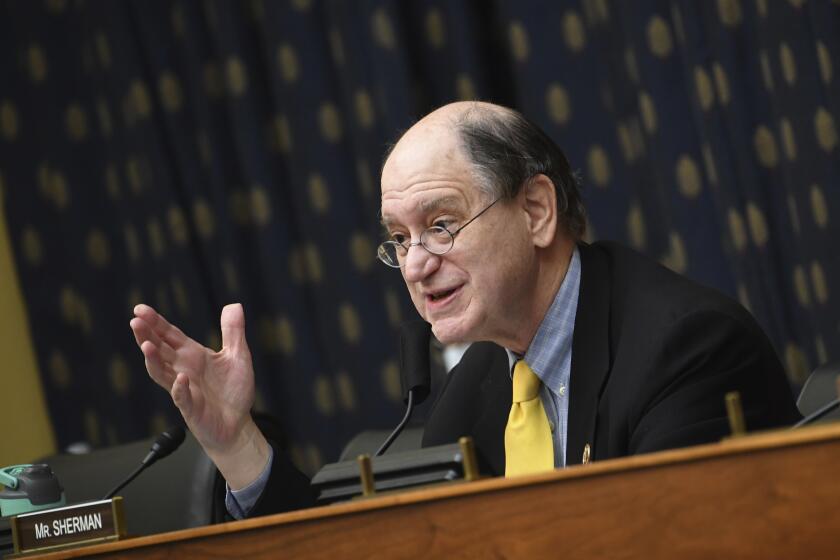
[[240, 502], [549, 356]]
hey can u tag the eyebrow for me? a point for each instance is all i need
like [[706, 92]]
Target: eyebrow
[[425, 206], [435, 203]]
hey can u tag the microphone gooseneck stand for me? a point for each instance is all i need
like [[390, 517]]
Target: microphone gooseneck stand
[[408, 410], [167, 442]]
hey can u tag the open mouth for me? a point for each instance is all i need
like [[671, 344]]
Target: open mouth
[[437, 300], [442, 295]]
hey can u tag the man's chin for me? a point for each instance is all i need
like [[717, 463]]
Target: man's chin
[[452, 330]]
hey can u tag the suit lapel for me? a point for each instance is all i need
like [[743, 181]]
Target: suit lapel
[[475, 401], [590, 352], [496, 395]]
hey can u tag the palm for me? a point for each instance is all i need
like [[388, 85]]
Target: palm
[[222, 392], [213, 390]]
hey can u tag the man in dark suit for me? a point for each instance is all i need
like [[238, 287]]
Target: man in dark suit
[[582, 351], [653, 355]]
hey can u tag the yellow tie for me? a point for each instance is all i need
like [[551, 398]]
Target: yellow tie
[[528, 444]]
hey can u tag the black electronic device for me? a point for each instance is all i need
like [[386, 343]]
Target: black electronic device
[[398, 471], [818, 414]]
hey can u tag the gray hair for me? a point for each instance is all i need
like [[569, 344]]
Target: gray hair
[[506, 149]]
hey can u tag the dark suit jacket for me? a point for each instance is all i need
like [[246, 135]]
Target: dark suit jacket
[[653, 355]]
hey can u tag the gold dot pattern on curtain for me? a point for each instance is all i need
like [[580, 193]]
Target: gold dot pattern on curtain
[[362, 252], [688, 177], [365, 114], [465, 88], [329, 122], [636, 229], [574, 33], [721, 83], [729, 12], [236, 77], [788, 64], [37, 63], [557, 100], [170, 91], [659, 37], [435, 30], [519, 41], [825, 129], [319, 194], [281, 134], [383, 29], [788, 139], [8, 120], [288, 61], [826, 68], [648, 111], [599, 166], [59, 370], [390, 379]]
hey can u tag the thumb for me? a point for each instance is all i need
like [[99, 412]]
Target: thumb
[[233, 327]]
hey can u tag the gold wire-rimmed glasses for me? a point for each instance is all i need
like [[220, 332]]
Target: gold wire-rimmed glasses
[[437, 240]]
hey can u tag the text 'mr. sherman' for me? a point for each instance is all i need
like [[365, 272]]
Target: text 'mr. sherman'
[[68, 526]]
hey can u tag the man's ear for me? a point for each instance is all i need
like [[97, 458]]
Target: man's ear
[[540, 203]]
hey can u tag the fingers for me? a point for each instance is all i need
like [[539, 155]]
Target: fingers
[[158, 369], [166, 331], [233, 327], [143, 332]]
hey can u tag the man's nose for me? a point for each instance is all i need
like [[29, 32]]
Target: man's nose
[[419, 263]]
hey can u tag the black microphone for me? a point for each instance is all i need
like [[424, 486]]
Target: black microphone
[[414, 372], [414, 360], [167, 442]]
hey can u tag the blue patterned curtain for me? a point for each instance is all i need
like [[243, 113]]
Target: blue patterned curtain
[[192, 153]]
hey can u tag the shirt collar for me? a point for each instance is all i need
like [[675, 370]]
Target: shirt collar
[[549, 352]]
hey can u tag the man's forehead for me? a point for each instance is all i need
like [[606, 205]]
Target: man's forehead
[[434, 139], [426, 144]]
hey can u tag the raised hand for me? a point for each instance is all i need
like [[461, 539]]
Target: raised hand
[[213, 390]]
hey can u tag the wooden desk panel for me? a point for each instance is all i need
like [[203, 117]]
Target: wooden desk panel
[[765, 496]]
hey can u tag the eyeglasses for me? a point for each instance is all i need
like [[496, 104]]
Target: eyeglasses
[[437, 240]]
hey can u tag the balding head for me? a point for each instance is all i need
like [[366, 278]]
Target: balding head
[[503, 150], [452, 114]]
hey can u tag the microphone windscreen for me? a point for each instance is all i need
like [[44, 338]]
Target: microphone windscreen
[[168, 441], [414, 360]]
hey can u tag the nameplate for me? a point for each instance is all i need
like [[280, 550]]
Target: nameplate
[[50, 529]]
